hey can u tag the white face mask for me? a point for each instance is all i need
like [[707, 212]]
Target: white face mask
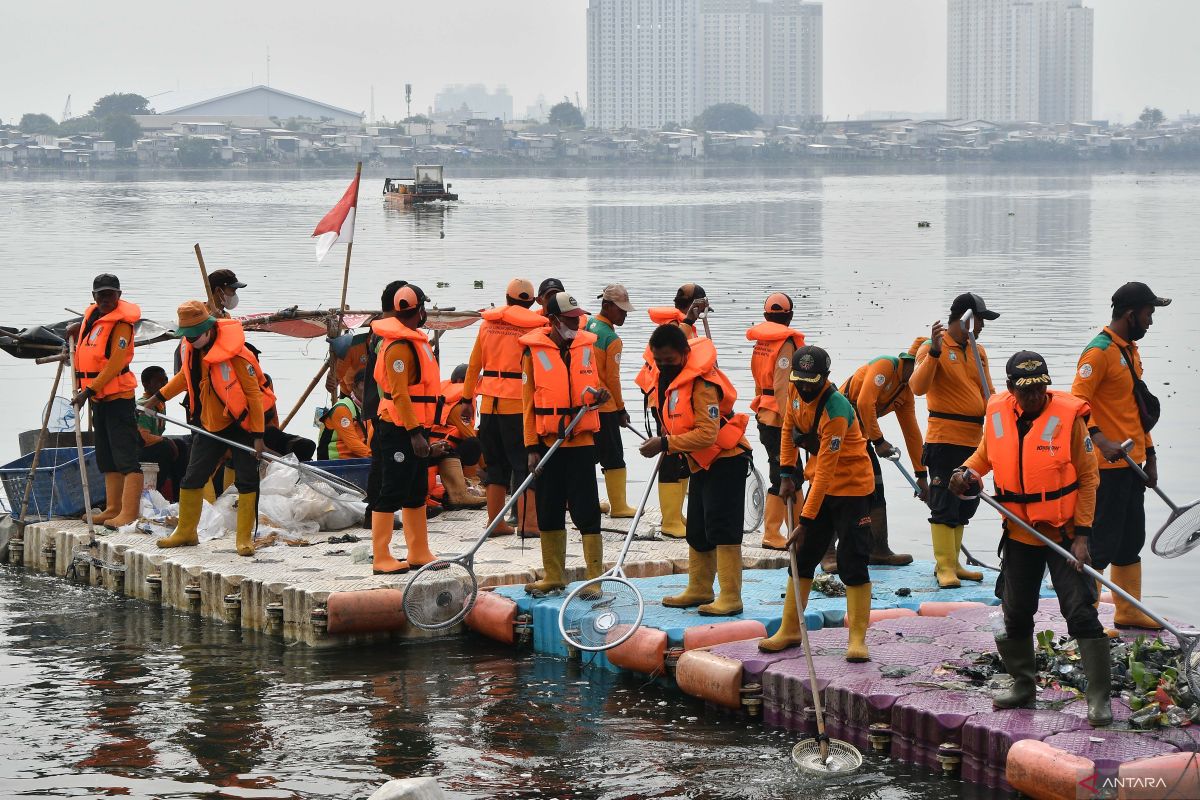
[[231, 300], [567, 334]]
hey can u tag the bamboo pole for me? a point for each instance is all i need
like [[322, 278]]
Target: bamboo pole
[[311, 385], [341, 320], [41, 441], [83, 476], [212, 302]]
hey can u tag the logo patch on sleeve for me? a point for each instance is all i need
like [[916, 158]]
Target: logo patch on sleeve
[[345, 423], [1087, 444], [953, 357], [398, 365], [122, 343], [617, 358], [1085, 371], [835, 444], [795, 403], [880, 380], [713, 412], [783, 363]]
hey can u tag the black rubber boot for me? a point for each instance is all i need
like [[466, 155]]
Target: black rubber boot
[[1097, 666], [1021, 664]]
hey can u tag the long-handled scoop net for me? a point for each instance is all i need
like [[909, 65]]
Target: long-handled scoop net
[[320, 481], [820, 756], [601, 613], [971, 560], [1181, 532], [967, 322], [440, 594], [1190, 659]]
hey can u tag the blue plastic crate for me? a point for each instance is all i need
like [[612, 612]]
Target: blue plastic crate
[[354, 470], [57, 486]]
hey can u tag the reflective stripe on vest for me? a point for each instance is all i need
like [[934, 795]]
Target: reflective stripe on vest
[[556, 393], [501, 350], [679, 416], [1035, 477], [93, 351]]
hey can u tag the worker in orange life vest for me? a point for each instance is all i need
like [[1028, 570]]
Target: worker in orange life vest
[[409, 385], [103, 353], [771, 368], [690, 301], [227, 392], [614, 308], [560, 379], [696, 400], [494, 376], [453, 444], [1043, 463], [346, 434]]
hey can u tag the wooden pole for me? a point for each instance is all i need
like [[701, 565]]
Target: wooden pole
[[212, 302], [311, 385], [83, 476], [41, 441], [341, 320]]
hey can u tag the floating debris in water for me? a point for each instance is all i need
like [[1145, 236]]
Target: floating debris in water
[[478, 284], [903, 591], [829, 585]]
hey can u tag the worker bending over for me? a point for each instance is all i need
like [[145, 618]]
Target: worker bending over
[[453, 444], [345, 432]]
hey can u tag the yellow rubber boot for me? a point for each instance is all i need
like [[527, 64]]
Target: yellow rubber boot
[[593, 560], [729, 578], [614, 483], [945, 555], [209, 492], [247, 521], [416, 536], [858, 615], [788, 634], [554, 562], [702, 569], [683, 489], [495, 502], [131, 501], [773, 515], [455, 483], [670, 501], [382, 560], [113, 481], [1127, 615], [184, 535], [962, 572]]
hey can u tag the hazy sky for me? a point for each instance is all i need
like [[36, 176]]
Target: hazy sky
[[879, 54]]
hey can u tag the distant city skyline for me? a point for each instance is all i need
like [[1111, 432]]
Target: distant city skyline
[[878, 54]]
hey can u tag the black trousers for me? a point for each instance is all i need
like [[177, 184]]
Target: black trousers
[[569, 481], [849, 519], [610, 448], [287, 444], [207, 453], [502, 437], [1119, 530], [117, 437], [1019, 585], [403, 479], [945, 507], [770, 436], [172, 461], [878, 501], [716, 504]]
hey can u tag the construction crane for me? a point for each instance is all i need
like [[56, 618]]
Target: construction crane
[[66, 115]]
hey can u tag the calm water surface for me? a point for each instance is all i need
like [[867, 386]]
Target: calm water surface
[[100, 692]]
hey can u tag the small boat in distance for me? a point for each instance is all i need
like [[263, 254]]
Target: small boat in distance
[[425, 187]]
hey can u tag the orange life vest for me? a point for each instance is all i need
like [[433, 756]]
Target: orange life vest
[[92, 353], [501, 350], [647, 377], [229, 343], [427, 391], [678, 417], [769, 339], [443, 427], [1035, 477], [557, 394]]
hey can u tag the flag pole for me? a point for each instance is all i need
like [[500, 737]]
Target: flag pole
[[341, 323]]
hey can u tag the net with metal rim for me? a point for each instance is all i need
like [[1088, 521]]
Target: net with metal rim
[[601, 613], [756, 501], [1181, 534], [440, 595], [843, 758], [328, 485]]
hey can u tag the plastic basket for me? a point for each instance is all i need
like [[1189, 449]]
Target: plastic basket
[[354, 470], [57, 488]]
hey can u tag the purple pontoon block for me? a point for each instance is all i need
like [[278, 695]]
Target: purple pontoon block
[[922, 628], [976, 615], [1108, 749], [855, 702], [910, 654], [969, 641], [923, 721], [833, 641], [986, 739], [785, 687], [1120, 709], [1186, 739], [754, 661]]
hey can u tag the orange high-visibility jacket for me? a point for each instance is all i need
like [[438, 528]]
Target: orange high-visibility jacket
[[1035, 476], [557, 391], [426, 391], [769, 339], [221, 361], [647, 377], [500, 350], [92, 352], [448, 425], [679, 416]]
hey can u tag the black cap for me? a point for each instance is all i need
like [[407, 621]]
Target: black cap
[[224, 279], [1027, 368], [810, 364], [688, 294], [971, 302], [105, 282], [1136, 294], [550, 285], [459, 375]]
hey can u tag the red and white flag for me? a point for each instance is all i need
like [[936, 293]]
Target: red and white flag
[[338, 224]]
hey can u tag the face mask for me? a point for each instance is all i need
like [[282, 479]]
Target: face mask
[[670, 373], [201, 341], [809, 391], [567, 334], [1136, 331], [231, 300]]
